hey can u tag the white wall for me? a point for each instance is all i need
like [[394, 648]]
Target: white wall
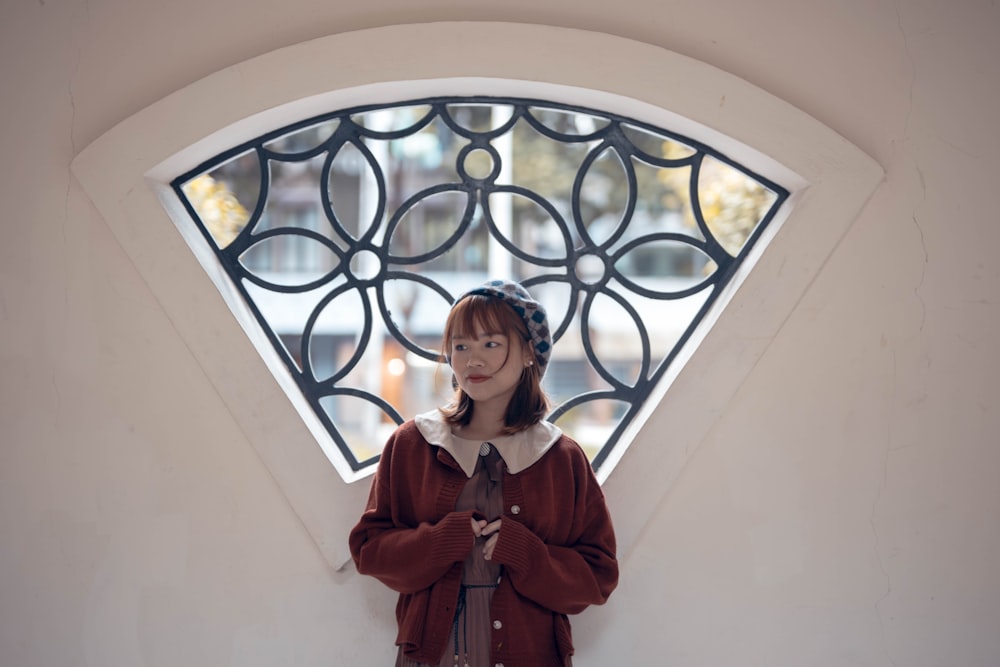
[[843, 510]]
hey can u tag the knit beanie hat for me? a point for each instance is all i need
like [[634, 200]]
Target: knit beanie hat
[[532, 312]]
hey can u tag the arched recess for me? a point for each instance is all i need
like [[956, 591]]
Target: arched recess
[[127, 170]]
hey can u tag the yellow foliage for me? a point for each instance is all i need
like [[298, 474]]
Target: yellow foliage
[[217, 207], [731, 203]]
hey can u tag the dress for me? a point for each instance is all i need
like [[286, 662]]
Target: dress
[[470, 644]]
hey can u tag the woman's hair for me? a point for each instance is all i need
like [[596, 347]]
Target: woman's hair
[[475, 313]]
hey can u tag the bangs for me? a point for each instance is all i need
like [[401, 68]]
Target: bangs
[[478, 313]]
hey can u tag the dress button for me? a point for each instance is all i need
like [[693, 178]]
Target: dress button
[[515, 509], [497, 625]]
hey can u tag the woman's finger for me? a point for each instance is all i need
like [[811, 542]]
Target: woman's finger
[[490, 545], [491, 528]]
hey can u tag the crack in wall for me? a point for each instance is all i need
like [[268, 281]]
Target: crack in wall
[[69, 180], [57, 395], [923, 273], [913, 70], [920, 174], [72, 143], [873, 523], [923, 246]]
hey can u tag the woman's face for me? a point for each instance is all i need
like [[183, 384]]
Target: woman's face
[[488, 365]]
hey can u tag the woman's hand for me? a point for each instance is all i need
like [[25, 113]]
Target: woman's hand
[[491, 531], [477, 527], [483, 528]]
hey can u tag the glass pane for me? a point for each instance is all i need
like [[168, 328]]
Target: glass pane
[[656, 145], [224, 197], [569, 122], [306, 139], [733, 203]]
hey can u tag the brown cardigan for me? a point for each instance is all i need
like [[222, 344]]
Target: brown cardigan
[[557, 547]]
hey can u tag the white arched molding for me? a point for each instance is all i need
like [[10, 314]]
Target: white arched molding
[[127, 170]]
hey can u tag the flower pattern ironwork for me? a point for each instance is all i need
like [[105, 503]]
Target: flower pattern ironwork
[[369, 221]]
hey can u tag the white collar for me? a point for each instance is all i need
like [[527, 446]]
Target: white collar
[[519, 450]]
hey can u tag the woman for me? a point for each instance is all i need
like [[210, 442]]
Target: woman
[[486, 519]]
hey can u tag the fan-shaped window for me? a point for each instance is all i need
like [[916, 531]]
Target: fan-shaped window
[[349, 235], [127, 173]]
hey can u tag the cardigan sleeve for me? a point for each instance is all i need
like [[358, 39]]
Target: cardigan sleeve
[[564, 578], [406, 558]]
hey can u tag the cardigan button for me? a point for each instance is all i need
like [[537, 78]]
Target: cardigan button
[[515, 509], [497, 625]]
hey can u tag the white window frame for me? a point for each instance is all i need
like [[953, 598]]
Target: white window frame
[[126, 173]]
